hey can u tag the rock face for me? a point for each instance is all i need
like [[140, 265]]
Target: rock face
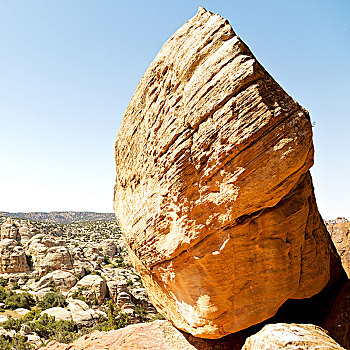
[[340, 233], [12, 257], [337, 322], [156, 335], [213, 192], [291, 337], [63, 280], [9, 230], [92, 287], [49, 254]]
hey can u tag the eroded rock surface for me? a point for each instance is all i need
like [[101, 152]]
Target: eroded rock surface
[[213, 192], [291, 337], [49, 253], [12, 257], [156, 335], [339, 230]]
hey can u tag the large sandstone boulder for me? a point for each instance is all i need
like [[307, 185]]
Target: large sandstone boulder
[[81, 313], [59, 313], [26, 233], [9, 230], [291, 337], [63, 280], [13, 258], [49, 254], [92, 287], [213, 192], [108, 247]]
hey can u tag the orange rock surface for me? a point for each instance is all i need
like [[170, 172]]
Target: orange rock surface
[[213, 192], [156, 335]]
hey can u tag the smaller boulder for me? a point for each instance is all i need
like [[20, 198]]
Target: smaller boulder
[[59, 313], [92, 287], [290, 337], [63, 280], [82, 314], [3, 318]]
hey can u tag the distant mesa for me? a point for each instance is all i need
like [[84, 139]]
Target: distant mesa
[[61, 217]]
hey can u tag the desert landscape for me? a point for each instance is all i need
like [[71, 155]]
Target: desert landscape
[[216, 242]]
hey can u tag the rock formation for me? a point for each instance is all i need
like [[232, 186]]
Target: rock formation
[[92, 287], [213, 192], [161, 335], [340, 233], [156, 335], [291, 337], [9, 230], [48, 254], [62, 280], [12, 257]]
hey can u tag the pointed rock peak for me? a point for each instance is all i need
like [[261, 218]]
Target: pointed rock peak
[[201, 10]]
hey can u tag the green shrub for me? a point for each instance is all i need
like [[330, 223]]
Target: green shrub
[[16, 300], [15, 285], [141, 312], [52, 299], [3, 294], [12, 323], [78, 294], [18, 343], [3, 282], [47, 327], [32, 315], [52, 285], [115, 319]]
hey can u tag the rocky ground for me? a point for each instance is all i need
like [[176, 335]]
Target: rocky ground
[[60, 281]]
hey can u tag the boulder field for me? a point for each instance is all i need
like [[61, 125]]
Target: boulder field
[[213, 191]]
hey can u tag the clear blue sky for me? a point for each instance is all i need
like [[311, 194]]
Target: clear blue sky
[[69, 68]]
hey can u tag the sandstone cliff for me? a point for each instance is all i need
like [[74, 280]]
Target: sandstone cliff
[[213, 192]]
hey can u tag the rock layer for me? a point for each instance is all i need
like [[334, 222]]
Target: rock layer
[[213, 192]]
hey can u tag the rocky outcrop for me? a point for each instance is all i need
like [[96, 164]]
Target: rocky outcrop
[[62, 280], [290, 337], [13, 258], [156, 335], [59, 313], [9, 230], [92, 287], [213, 192], [340, 232], [48, 254], [108, 247], [82, 314]]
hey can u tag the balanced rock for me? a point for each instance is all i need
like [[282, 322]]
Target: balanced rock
[[213, 192]]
